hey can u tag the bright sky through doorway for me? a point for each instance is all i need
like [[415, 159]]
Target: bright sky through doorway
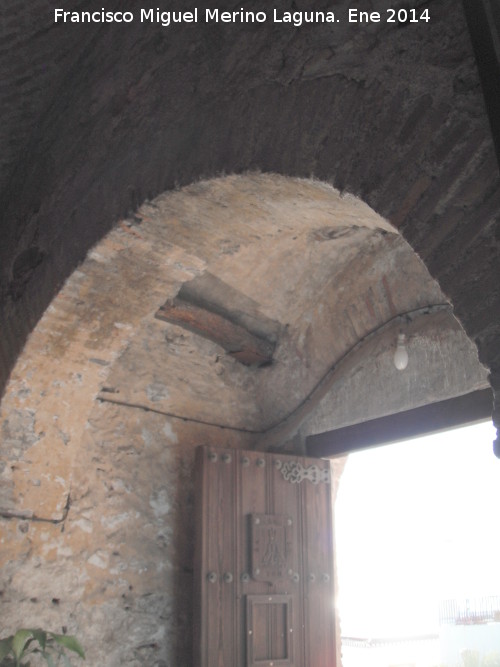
[[417, 522]]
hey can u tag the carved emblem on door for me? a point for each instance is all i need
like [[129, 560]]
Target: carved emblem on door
[[271, 547]]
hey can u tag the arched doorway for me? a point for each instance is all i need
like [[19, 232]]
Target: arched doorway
[[147, 351]]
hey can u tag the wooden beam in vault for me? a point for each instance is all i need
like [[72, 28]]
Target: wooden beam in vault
[[235, 339]]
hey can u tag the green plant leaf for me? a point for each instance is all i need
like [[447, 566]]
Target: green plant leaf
[[19, 641], [40, 636], [5, 646], [8, 662], [49, 660], [69, 642], [66, 660]]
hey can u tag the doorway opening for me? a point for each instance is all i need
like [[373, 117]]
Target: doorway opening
[[418, 549]]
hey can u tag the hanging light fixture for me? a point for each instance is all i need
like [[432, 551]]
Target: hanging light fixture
[[401, 354]]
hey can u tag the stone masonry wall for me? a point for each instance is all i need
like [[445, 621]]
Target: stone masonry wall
[[116, 570]]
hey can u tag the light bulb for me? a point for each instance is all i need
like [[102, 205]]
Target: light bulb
[[401, 354]]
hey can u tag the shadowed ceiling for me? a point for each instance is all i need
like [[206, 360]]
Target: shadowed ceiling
[[98, 119]]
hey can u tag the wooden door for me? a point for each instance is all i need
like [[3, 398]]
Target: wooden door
[[264, 561]]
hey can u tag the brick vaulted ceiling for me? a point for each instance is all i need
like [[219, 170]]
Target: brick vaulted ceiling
[[97, 119]]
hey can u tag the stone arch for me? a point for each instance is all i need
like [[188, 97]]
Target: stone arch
[[99, 423], [391, 115]]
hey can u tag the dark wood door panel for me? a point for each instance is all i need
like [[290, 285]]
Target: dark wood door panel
[[318, 573], [263, 563]]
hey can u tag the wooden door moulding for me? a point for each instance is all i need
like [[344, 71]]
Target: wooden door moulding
[[276, 611]]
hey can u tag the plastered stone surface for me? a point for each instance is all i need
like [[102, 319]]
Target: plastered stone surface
[[117, 571]]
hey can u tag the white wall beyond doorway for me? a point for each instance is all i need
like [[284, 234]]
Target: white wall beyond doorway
[[415, 525]]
